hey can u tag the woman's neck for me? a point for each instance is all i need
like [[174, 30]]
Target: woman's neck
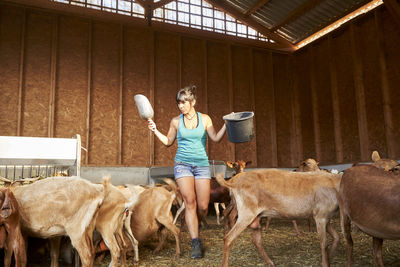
[[190, 115]]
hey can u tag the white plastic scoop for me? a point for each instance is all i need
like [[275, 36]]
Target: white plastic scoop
[[144, 107]]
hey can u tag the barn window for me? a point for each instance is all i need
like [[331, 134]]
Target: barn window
[[189, 13]]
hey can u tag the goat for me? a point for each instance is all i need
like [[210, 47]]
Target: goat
[[230, 213], [11, 238], [307, 165], [377, 217], [283, 194]]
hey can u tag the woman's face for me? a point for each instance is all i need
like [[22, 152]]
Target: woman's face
[[185, 106]]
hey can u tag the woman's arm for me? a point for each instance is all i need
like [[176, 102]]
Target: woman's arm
[[171, 135], [216, 137]]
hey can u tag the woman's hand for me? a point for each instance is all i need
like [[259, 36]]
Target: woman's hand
[[152, 125]]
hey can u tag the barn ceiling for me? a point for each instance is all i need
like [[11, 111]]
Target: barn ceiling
[[290, 24]]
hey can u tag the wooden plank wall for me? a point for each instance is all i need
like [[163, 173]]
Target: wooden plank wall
[[62, 75]]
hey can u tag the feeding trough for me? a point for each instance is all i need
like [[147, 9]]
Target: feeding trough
[[239, 126]]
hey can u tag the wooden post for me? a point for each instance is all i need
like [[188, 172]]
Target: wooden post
[[335, 104], [53, 74], [386, 91], [252, 98], [151, 93], [205, 77], [232, 153], [88, 92], [21, 74], [297, 115], [180, 64], [121, 93], [360, 96], [274, 143], [314, 101]]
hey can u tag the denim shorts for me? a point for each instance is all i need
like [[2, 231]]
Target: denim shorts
[[198, 172]]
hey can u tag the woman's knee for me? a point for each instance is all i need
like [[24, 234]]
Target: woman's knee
[[190, 203]]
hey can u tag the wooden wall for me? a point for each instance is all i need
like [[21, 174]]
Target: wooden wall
[[334, 100]]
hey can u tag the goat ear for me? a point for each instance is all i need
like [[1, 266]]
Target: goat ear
[[375, 156], [229, 164]]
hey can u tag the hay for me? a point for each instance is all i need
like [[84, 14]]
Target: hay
[[281, 243]]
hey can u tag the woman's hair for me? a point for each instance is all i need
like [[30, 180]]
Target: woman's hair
[[187, 93]]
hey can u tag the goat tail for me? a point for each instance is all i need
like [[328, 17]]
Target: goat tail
[[220, 177], [106, 184], [175, 189]]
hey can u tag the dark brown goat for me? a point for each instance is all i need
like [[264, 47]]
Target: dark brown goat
[[377, 217], [11, 238]]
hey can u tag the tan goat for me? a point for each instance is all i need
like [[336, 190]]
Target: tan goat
[[283, 194], [58, 206]]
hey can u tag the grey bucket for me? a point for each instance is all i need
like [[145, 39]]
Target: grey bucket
[[239, 126]]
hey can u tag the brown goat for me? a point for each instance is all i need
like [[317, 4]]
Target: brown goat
[[377, 217], [307, 165], [283, 194], [230, 213], [11, 238]]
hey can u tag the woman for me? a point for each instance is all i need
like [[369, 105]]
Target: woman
[[192, 171]]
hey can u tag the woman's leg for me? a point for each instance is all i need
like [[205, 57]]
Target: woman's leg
[[202, 188], [187, 188]]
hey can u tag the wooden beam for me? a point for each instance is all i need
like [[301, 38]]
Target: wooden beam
[[21, 74], [314, 104], [53, 73], [274, 142], [224, 6], [299, 154], [88, 92], [253, 100], [256, 7], [231, 146], [360, 96], [355, 12], [300, 10], [152, 39], [142, 3], [335, 103], [205, 83], [391, 143], [394, 9], [161, 3], [121, 93]]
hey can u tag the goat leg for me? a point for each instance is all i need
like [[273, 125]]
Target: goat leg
[[257, 241], [166, 221], [240, 225], [345, 224], [335, 242], [299, 233], [377, 251], [55, 250]]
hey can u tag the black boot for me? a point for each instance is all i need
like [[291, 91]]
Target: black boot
[[197, 248]]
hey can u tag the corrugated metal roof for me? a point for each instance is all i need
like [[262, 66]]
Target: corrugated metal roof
[[294, 20]]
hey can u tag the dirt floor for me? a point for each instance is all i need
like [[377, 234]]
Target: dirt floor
[[281, 243]]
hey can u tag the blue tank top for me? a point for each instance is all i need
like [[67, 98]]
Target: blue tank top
[[192, 143]]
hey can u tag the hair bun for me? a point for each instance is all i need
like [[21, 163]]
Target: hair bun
[[193, 89]]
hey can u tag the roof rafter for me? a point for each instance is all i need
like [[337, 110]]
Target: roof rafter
[[256, 7], [161, 3], [284, 44], [306, 6]]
